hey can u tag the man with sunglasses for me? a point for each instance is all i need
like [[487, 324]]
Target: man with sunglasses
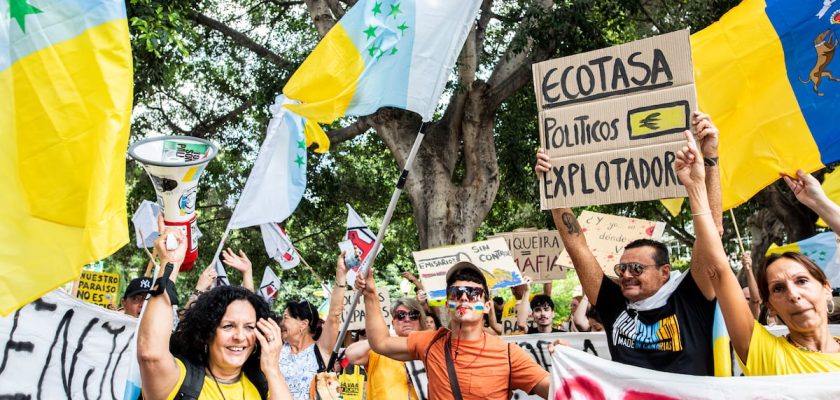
[[388, 378], [462, 362], [654, 318]]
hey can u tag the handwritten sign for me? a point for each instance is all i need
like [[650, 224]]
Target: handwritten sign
[[491, 256], [357, 319], [59, 347], [100, 288], [607, 235], [612, 121], [535, 252]]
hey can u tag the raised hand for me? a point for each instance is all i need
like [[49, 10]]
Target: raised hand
[[707, 133], [806, 188], [689, 164], [238, 262], [543, 162], [175, 256]]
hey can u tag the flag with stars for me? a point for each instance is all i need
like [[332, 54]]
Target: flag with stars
[[278, 178], [396, 53], [65, 108]]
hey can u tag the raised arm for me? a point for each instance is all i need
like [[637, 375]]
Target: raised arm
[[204, 283], [331, 325], [395, 347], [707, 134], [158, 370], [579, 317], [809, 192], [495, 325], [585, 263], [752, 285], [708, 256], [241, 263], [358, 353]]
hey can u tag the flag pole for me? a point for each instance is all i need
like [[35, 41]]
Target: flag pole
[[318, 278], [368, 262], [737, 233]]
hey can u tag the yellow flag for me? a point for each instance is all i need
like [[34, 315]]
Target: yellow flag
[[673, 205], [65, 107]]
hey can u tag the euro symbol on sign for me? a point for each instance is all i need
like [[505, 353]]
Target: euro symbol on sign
[[650, 122]]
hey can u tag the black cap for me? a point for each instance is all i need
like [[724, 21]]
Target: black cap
[[140, 285], [466, 265]]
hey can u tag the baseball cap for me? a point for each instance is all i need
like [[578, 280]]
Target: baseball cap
[[140, 285], [465, 266]]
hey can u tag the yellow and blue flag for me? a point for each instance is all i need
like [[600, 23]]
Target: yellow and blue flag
[[396, 53], [765, 73], [721, 351], [65, 107], [821, 249]]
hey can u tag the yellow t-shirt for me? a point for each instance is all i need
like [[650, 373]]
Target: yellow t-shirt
[[243, 389], [388, 379], [774, 355]]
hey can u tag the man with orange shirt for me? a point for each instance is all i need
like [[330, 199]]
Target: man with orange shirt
[[462, 362]]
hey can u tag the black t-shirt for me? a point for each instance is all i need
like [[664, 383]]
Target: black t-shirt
[[533, 330], [676, 337]]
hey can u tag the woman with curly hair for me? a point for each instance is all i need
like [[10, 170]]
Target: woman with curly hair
[[228, 335], [308, 339]]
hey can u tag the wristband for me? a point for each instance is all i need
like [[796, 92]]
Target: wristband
[[710, 161]]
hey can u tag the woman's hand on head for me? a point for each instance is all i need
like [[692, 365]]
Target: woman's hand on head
[[270, 340]]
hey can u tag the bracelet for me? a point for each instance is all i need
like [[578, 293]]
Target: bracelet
[[197, 292], [710, 161], [341, 284], [701, 213]]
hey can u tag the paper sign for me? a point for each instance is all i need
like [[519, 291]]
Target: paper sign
[[357, 321], [99, 288], [607, 235], [612, 121], [492, 256], [535, 252], [145, 223]]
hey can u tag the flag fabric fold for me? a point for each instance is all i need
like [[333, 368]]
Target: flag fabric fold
[[763, 72], [65, 108], [269, 286], [278, 178], [396, 53], [362, 238], [820, 248], [279, 245]]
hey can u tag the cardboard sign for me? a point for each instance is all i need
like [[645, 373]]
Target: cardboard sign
[[98, 288], [535, 252], [612, 121], [357, 320], [491, 256], [607, 235]]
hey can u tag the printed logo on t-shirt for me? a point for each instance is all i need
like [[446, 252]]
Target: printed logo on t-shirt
[[663, 335]]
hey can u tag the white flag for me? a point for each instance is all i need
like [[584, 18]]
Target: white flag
[[145, 221], [279, 245], [269, 286], [278, 179], [362, 238]]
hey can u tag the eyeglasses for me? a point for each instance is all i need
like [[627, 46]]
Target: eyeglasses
[[635, 268], [406, 315], [473, 293]]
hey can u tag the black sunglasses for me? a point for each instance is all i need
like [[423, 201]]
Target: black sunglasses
[[406, 315], [473, 293], [635, 268]]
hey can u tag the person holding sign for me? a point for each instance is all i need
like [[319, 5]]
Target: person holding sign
[[227, 345], [388, 378], [462, 362], [654, 318], [791, 284]]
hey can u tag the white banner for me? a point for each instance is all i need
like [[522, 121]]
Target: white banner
[[59, 347]]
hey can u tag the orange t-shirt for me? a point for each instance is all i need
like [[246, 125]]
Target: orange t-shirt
[[482, 372]]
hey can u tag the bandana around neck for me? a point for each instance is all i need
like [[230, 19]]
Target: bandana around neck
[[660, 298]]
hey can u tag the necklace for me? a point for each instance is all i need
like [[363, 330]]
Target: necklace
[[234, 380], [803, 348], [458, 345]]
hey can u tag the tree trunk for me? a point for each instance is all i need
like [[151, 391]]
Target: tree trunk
[[781, 219]]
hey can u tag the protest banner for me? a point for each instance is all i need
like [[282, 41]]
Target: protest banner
[[59, 347], [607, 235], [357, 320], [611, 120], [535, 252], [100, 288], [491, 256]]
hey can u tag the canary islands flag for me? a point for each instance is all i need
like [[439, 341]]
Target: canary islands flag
[[65, 104], [396, 53], [765, 73], [821, 249]]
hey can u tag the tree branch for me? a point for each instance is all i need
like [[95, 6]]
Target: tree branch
[[240, 39], [166, 120], [321, 15], [204, 128], [349, 132]]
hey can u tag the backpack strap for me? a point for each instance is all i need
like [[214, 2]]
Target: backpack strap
[[450, 369], [441, 333], [193, 381], [321, 366], [510, 375]]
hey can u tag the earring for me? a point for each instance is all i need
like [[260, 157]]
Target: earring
[[205, 349], [830, 306]]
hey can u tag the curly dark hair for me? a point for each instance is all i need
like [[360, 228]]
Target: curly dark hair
[[198, 326], [304, 310]]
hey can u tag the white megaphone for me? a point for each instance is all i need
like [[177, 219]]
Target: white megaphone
[[174, 163]]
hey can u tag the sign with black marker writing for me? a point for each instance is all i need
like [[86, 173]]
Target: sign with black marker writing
[[535, 252], [612, 121]]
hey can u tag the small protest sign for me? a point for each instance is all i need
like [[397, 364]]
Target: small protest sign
[[535, 252], [492, 256], [99, 288], [357, 320], [611, 121], [607, 235]]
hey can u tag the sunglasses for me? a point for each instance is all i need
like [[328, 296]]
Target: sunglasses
[[635, 268], [406, 315], [473, 293]]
